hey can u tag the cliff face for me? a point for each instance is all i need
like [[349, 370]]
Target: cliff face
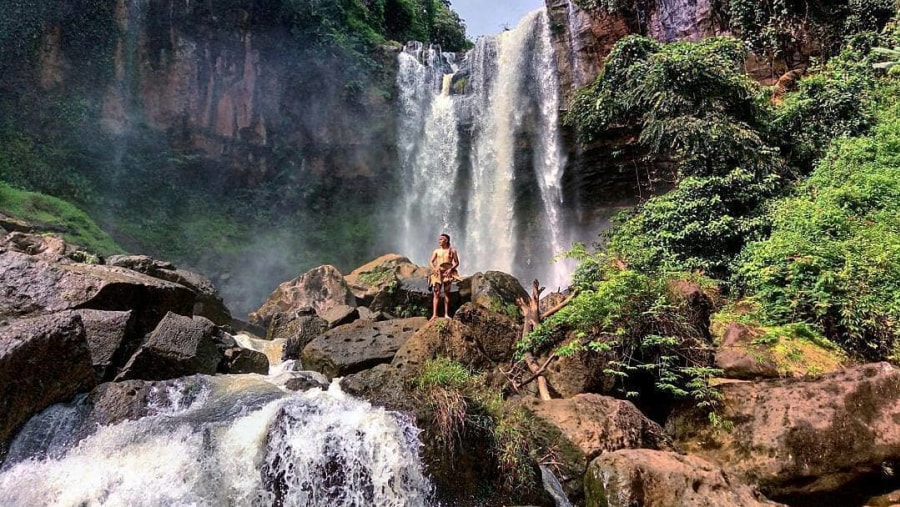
[[233, 87], [582, 39], [610, 174]]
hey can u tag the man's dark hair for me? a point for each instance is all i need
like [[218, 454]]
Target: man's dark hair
[[446, 236]]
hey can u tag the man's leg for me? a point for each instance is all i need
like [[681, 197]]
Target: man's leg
[[447, 300], [435, 289]]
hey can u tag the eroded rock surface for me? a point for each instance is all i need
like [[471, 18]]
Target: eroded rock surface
[[650, 478], [803, 436]]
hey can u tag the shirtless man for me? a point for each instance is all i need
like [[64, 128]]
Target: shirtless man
[[444, 261]]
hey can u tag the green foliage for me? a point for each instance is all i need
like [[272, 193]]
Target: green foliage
[[609, 6], [42, 167], [466, 409], [377, 276], [835, 101], [444, 373], [691, 105], [701, 225], [833, 259], [781, 29], [641, 323], [52, 213], [448, 30]]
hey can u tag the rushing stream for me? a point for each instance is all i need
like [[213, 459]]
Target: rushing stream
[[481, 153], [217, 441]]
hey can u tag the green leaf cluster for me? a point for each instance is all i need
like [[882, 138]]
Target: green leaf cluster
[[692, 107], [641, 322], [833, 258], [834, 101], [781, 29]]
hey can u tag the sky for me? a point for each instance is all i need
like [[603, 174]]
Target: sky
[[489, 17]]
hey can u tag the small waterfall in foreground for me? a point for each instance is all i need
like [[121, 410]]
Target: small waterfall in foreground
[[481, 154], [224, 440]]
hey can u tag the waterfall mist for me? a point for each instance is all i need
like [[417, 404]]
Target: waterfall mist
[[482, 159]]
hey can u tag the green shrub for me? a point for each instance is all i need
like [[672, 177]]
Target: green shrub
[[780, 29], [641, 323], [833, 259], [690, 105], [834, 101], [701, 225]]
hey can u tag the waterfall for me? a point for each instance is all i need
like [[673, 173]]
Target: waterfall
[[224, 440], [485, 165]]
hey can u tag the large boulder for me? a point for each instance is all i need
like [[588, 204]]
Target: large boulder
[[43, 360], [357, 346], [208, 302], [339, 315], [179, 346], [107, 333], [582, 372], [587, 425], [800, 437], [113, 402], [384, 273], [448, 338], [385, 387], [748, 352], [495, 333], [298, 330], [234, 357], [498, 292], [30, 284], [651, 478], [393, 285], [320, 288]]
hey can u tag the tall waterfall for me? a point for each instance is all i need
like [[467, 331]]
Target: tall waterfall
[[482, 158], [224, 440]]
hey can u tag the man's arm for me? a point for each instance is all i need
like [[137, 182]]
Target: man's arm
[[454, 258], [434, 256]]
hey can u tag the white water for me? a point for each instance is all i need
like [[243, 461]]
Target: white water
[[242, 441], [462, 163]]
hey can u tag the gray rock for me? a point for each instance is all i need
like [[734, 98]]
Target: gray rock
[[241, 360], [43, 360], [179, 346], [106, 333], [497, 291], [496, 333], [357, 346], [588, 425], [208, 303], [320, 288], [366, 314], [31, 284], [306, 380], [802, 437], [305, 328]]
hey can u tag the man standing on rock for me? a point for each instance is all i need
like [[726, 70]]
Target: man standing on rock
[[444, 261]]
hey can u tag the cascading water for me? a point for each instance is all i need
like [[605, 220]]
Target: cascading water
[[485, 165], [224, 440]]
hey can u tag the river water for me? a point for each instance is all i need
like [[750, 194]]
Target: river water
[[221, 441]]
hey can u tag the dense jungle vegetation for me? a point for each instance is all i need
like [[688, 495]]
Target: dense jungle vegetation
[[785, 209]]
